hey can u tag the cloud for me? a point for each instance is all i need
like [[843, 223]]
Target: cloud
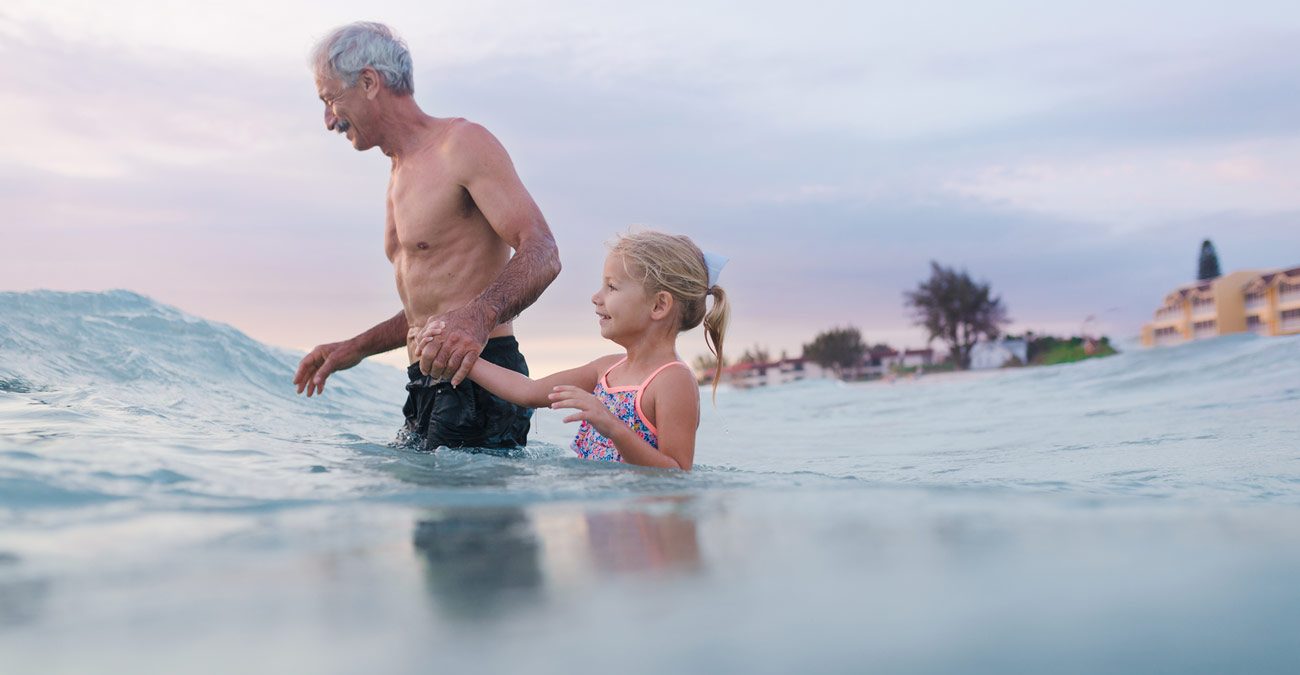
[[1132, 188], [832, 152]]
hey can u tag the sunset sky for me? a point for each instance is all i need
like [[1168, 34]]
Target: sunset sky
[[1072, 154]]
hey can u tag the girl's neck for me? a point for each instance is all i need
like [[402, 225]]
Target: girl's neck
[[651, 351]]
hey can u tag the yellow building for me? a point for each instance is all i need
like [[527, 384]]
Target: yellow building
[[1273, 303], [1266, 302]]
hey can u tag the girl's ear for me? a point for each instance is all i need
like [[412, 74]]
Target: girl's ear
[[663, 305]]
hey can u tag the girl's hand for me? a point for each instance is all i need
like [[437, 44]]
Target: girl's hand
[[589, 408], [431, 331]]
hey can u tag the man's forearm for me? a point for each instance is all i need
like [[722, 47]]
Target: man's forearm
[[383, 337], [530, 270]]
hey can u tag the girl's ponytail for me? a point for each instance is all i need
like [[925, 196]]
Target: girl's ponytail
[[715, 329], [673, 263]]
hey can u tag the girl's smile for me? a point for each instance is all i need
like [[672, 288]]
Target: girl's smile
[[622, 305]]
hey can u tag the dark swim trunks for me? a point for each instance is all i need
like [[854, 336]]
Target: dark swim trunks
[[467, 416]]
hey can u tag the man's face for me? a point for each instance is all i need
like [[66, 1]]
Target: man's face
[[342, 105]]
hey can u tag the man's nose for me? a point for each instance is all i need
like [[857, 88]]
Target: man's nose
[[330, 119]]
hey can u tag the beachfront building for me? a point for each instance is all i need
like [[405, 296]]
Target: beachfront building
[[1272, 303], [915, 358], [998, 353], [879, 361], [1267, 303], [747, 375], [875, 363], [794, 370]]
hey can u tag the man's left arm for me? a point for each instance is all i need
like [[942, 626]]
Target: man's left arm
[[488, 174]]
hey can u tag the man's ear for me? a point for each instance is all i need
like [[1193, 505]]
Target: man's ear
[[662, 306], [369, 81]]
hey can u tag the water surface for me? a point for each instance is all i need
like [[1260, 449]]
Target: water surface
[[167, 504]]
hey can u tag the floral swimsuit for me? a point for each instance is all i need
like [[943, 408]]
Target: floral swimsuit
[[625, 403]]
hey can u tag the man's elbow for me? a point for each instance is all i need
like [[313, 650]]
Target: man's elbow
[[547, 255], [553, 264]]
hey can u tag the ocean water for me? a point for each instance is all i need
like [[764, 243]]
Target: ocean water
[[167, 504]]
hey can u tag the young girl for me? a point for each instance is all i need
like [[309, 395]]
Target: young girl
[[643, 406]]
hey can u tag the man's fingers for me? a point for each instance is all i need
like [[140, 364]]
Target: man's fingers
[[449, 360], [466, 364], [318, 382], [446, 354], [439, 367], [427, 357], [297, 374], [306, 368]]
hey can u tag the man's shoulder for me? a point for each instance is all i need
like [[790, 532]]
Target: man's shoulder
[[470, 148], [463, 134]]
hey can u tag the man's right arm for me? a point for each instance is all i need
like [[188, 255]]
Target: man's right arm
[[325, 359], [484, 169]]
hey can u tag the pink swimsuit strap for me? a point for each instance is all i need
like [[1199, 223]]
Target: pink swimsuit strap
[[640, 388], [625, 403], [604, 379]]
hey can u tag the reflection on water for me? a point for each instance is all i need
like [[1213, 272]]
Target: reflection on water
[[478, 561], [638, 541], [20, 599], [481, 561]]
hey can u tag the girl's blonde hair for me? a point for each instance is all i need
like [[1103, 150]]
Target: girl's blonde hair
[[673, 263]]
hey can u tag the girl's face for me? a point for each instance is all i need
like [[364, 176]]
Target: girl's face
[[622, 303]]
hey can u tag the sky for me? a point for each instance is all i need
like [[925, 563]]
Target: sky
[[1071, 154]]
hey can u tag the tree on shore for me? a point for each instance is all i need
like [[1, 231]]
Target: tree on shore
[[837, 349], [756, 354], [956, 309], [1209, 267], [707, 364]]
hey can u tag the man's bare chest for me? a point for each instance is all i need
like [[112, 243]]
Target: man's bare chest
[[425, 203]]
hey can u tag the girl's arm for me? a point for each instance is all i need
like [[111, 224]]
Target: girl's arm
[[519, 389], [677, 416]]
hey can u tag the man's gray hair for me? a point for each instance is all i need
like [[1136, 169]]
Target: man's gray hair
[[349, 49]]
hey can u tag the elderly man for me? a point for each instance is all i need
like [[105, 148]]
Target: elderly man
[[455, 209]]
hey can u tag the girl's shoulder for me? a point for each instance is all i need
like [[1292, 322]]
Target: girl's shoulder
[[675, 377], [672, 392]]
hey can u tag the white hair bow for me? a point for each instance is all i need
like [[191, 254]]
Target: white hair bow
[[714, 263]]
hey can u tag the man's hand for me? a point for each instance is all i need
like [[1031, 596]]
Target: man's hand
[[450, 343], [321, 362], [589, 408]]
